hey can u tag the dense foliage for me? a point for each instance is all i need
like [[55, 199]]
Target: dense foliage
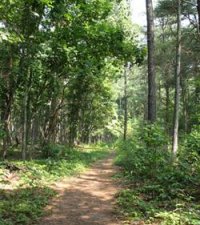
[[159, 191], [58, 61], [163, 188], [75, 72]]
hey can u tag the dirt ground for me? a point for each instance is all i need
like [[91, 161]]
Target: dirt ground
[[87, 199]]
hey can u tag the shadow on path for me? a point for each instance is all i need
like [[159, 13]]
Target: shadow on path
[[85, 200]]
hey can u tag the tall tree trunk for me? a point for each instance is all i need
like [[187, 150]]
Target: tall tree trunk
[[27, 113], [167, 106], [6, 138], [185, 97], [198, 11], [177, 81], [6, 106], [125, 102], [151, 63], [25, 120]]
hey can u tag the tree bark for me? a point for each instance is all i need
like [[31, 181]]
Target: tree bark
[[185, 100], [167, 105], [6, 105], [198, 11], [151, 63], [25, 114], [125, 102], [177, 82]]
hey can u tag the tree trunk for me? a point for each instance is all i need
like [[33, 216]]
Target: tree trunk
[[125, 102], [25, 123], [167, 104], [6, 135], [185, 98], [6, 106], [151, 63], [177, 81], [198, 11], [27, 114]]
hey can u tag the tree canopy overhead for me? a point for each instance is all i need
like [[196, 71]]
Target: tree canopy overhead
[[59, 60], [78, 77]]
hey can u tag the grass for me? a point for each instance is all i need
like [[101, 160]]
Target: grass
[[25, 192]]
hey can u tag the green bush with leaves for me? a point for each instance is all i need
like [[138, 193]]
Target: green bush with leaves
[[24, 205], [144, 158], [193, 140], [161, 190]]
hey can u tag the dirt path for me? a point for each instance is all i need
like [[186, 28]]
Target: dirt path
[[87, 199]]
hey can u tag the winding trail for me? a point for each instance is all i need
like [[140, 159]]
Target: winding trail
[[87, 199]]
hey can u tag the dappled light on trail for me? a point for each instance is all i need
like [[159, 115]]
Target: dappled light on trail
[[85, 200]]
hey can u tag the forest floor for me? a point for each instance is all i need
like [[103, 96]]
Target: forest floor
[[88, 199]]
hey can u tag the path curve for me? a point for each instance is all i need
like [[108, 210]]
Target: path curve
[[87, 199]]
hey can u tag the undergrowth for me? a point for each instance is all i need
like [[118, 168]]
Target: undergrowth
[[159, 191], [25, 186]]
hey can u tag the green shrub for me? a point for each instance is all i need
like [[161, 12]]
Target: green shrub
[[161, 191], [154, 136], [53, 150], [193, 140], [140, 156], [24, 205]]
